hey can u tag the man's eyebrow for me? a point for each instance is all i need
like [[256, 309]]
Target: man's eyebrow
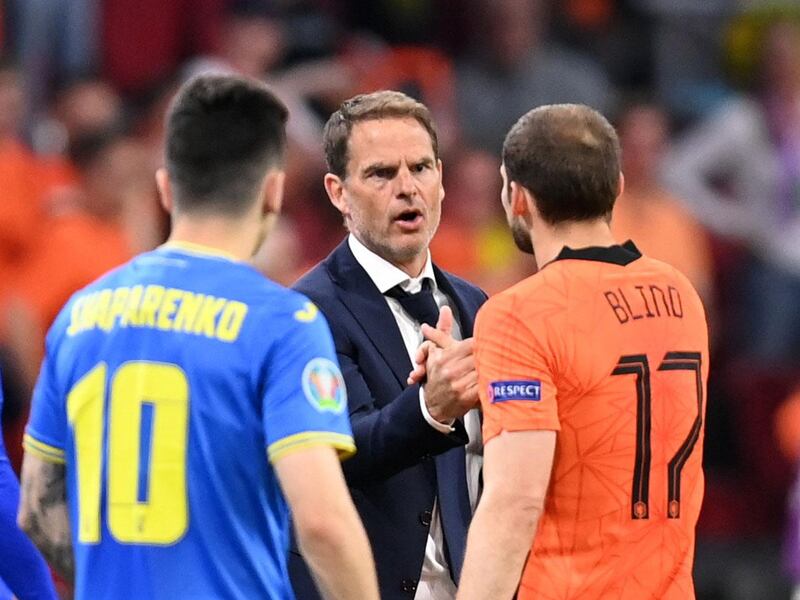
[[371, 168]]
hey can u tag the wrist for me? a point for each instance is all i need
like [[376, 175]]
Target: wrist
[[444, 425]]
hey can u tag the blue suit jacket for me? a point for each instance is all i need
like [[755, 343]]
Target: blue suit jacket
[[402, 464]]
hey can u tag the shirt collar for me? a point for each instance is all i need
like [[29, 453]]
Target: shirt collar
[[620, 254], [384, 274], [198, 250]]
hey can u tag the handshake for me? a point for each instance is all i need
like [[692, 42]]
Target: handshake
[[445, 367]]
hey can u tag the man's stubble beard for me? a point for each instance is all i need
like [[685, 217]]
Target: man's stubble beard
[[522, 237], [397, 256]]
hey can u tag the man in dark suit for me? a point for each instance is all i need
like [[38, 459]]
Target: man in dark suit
[[415, 475]]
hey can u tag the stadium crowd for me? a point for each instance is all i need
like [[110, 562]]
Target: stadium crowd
[[705, 97]]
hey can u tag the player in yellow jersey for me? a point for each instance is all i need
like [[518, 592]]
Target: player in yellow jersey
[[592, 377]]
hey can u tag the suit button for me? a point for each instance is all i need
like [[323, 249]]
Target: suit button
[[410, 585], [426, 457], [425, 517]]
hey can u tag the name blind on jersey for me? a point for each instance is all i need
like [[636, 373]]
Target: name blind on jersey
[[647, 301], [157, 307]]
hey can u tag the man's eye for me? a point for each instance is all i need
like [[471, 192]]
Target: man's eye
[[382, 173], [420, 167]]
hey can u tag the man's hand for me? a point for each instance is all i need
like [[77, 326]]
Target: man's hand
[[452, 385], [448, 368], [444, 326]]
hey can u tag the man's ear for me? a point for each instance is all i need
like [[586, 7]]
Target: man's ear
[[164, 190], [272, 199], [523, 204], [521, 200], [621, 187], [334, 186]]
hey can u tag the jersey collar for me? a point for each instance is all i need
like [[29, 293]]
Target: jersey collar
[[621, 255], [198, 250]]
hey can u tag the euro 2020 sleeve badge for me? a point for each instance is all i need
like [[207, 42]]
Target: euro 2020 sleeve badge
[[323, 386]]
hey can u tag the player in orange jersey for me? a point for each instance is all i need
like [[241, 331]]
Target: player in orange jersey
[[592, 378]]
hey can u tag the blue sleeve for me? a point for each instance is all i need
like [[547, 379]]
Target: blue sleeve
[[46, 433], [305, 400], [22, 568]]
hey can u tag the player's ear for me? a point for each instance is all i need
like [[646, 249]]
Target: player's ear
[[272, 198], [164, 190], [519, 200], [334, 186], [621, 186]]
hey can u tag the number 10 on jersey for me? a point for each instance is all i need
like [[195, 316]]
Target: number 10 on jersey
[[146, 493]]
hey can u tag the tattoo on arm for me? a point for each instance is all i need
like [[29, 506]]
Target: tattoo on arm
[[44, 515]]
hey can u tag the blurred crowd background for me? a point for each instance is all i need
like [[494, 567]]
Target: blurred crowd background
[[705, 96]]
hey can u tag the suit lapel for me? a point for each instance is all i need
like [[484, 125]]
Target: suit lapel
[[370, 309], [463, 313]]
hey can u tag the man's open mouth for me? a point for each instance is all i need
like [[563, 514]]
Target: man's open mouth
[[411, 216]]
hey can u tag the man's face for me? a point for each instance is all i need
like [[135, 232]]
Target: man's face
[[392, 193], [519, 231]]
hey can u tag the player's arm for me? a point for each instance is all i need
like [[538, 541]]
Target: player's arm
[[517, 468], [520, 409], [329, 531], [43, 512]]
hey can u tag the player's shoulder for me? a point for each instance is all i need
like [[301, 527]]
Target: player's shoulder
[[547, 286], [109, 279], [226, 278], [678, 280], [281, 310], [278, 300], [666, 271], [533, 294], [58, 329]]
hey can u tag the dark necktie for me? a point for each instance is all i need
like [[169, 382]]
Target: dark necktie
[[421, 306]]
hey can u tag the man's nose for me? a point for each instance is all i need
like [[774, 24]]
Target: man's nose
[[405, 185]]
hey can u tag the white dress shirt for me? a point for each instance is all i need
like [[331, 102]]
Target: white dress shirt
[[435, 582]]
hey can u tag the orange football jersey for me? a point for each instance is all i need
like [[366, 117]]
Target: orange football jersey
[[609, 349]]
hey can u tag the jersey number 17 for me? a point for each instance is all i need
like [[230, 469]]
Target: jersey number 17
[[637, 364]]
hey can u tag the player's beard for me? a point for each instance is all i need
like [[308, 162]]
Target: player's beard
[[522, 236]]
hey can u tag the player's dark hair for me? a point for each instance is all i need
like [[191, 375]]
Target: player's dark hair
[[568, 158], [223, 134], [385, 104]]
